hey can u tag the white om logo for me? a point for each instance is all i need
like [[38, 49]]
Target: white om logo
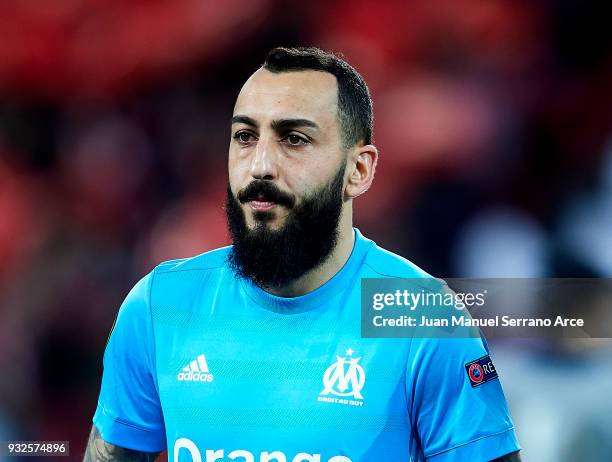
[[341, 381]]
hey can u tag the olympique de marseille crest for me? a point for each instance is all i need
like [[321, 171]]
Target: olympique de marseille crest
[[345, 378]]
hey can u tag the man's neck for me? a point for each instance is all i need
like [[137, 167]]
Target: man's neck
[[318, 276]]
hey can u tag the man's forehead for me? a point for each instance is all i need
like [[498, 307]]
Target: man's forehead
[[311, 94]]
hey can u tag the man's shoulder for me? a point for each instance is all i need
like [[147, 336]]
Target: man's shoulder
[[386, 264], [211, 260]]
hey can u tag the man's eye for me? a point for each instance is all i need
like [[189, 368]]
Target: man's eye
[[295, 140], [243, 137]]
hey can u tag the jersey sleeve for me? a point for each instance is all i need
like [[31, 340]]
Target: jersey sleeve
[[129, 413], [457, 418]]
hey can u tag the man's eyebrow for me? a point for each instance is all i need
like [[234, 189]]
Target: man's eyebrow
[[242, 119], [277, 125], [284, 124]]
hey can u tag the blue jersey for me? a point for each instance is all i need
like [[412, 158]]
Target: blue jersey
[[214, 368]]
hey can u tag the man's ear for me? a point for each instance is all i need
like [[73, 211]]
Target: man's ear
[[362, 161]]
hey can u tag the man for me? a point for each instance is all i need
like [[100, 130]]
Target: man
[[240, 353]]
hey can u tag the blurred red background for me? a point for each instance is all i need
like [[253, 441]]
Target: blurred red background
[[493, 120]]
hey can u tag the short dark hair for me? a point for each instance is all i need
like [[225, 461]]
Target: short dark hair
[[354, 101]]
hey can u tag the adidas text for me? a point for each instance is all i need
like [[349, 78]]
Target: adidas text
[[195, 377]]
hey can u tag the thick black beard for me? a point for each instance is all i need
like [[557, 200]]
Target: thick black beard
[[273, 259]]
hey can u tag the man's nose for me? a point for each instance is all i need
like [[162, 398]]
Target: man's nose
[[264, 162]]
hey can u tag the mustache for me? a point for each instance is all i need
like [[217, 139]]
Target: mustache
[[267, 191]]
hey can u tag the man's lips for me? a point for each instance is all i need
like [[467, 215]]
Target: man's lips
[[261, 206]]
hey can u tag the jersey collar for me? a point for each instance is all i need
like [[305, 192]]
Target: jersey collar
[[319, 297]]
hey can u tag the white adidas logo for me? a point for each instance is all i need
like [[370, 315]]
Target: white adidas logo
[[196, 371]]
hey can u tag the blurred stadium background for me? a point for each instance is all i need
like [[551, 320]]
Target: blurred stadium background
[[494, 122]]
